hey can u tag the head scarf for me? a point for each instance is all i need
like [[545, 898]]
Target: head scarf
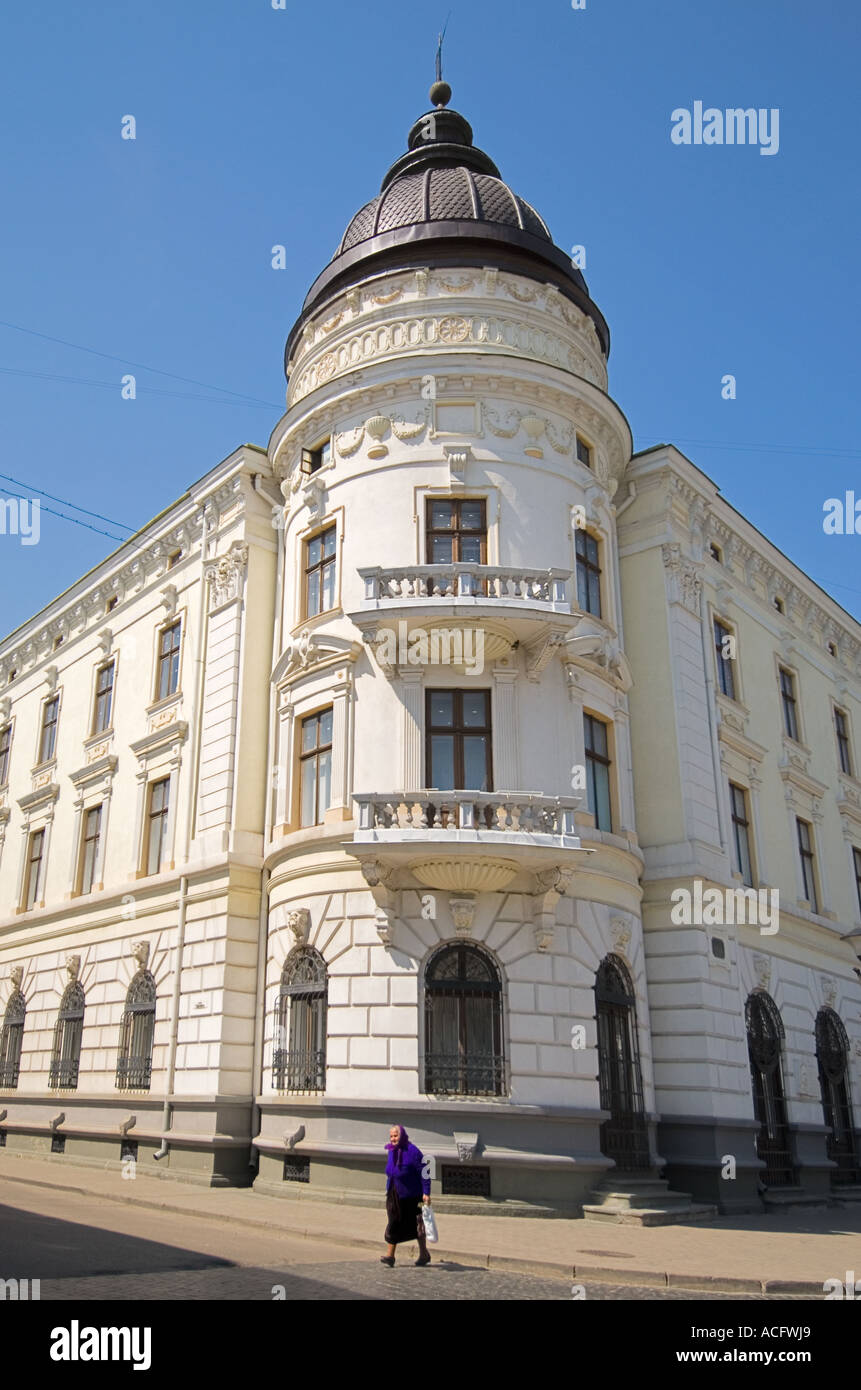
[[401, 1147]]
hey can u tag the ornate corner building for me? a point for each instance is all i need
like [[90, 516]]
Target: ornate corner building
[[366, 784]]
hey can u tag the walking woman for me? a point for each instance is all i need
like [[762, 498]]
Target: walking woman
[[406, 1189]]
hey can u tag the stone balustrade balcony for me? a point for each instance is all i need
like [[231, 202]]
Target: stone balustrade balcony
[[494, 585], [466, 840], [510, 604]]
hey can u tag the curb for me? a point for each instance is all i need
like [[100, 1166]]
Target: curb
[[600, 1274]]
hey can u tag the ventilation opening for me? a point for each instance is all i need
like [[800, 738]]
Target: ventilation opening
[[718, 948], [2, 1138], [465, 1180], [129, 1150], [297, 1169], [58, 1143]]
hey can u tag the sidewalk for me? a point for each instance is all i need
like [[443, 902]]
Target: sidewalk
[[786, 1254]]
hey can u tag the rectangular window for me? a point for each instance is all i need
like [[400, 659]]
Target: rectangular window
[[91, 836], [584, 453], [48, 736], [856, 860], [315, 767], [104, 702], [741, 833], [459, 740], [598, 771], [5, 751], [320, 565], [841, 728], [725, 653], [788, 701], [314, 459], [456, 531], [157, 811], [168, 661], [808, 863], [35, 867], [588, 572]]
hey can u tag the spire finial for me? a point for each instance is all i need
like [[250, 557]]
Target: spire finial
[[440, 92]]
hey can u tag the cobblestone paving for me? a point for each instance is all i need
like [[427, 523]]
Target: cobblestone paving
[[354, 1280]]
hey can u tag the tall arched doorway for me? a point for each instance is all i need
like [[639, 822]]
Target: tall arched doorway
[[832, 1056], [764, 1045], [625, 1136]]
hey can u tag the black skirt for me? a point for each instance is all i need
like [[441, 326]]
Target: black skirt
[[405, 1218]]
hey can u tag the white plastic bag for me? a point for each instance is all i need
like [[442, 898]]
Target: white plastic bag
[[431, 1232]]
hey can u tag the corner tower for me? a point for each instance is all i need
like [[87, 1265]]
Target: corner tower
[[453, 864]]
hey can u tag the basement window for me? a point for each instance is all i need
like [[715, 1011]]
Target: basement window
[[58, 1143], [297, 1169], [465, 1180]]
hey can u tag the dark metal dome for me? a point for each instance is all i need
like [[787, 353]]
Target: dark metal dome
[[441, 195], [444, 203]]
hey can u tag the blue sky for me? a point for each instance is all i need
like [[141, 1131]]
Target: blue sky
[[258, 126]]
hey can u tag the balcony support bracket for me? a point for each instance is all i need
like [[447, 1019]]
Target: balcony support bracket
[[551, 885]]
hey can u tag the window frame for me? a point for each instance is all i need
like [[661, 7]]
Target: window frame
[[313, 458], [456, 533], [593, 759], [162, 657], [95, 727], [590, 568], [807, 859], [45, 726], [789, 701], [32, 892], [313, 754], [298, 1069], [844, 740], [163, 815], [725, 666], [745, 822], [308, 570], [588, 461], [459, 731], [95, 867], [6, 735]]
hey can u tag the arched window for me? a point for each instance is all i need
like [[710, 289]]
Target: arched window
[[625, 1136], [68, 1032], [764, 1046], [832, 1055], [11, 1038], [463, 1023], [134, 1060], [299, 1050]]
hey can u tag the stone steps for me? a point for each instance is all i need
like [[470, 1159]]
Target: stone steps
[[779, 1198], [650, 1216], [643, 1201]]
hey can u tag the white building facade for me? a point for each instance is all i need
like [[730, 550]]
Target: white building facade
[[358, 785]]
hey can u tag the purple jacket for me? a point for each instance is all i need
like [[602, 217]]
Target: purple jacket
[[405, 1169]]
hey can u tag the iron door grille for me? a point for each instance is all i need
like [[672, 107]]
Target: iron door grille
[[134, 1062], [68, 1034], [832, 1055], [463, 1024], [625, 1136], [764, 1039], [11, 1040]]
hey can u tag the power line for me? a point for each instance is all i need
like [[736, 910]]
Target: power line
[[141, 366], [63, 517], [807, 449], [64, 503], [148, 390]]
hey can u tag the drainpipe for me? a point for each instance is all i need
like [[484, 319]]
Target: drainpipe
[[174, 1020], [711, 702], [260, 1013]]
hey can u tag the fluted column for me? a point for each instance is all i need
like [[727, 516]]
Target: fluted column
[[412, 694], [506, 761]]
